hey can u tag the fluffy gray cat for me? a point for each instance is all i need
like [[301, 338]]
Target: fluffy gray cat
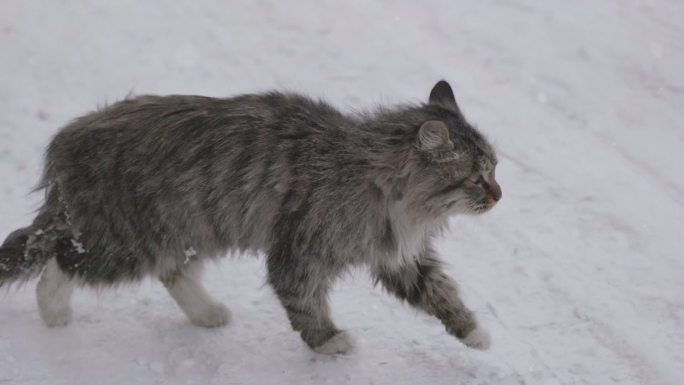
[[157, 185]]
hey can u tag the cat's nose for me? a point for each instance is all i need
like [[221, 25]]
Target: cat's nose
[[495, 191]]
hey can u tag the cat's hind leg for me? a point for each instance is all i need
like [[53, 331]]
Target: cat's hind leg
[[54, 295], [185, 287]]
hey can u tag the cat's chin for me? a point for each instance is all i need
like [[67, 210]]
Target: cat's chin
[[480, 209], [472, 209]]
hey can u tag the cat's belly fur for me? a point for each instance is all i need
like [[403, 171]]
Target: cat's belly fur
[[168, 234]]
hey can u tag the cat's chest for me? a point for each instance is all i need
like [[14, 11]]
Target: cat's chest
[[410, 240]]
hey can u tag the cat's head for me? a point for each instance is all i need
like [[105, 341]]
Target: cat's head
[[455, 164]]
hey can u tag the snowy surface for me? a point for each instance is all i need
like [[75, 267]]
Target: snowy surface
[[578, 273]]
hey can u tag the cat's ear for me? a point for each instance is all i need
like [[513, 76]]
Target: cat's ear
[[433, 135], [442, 94]]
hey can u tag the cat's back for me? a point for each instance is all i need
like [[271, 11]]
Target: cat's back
[[145, 139], [160, 126]]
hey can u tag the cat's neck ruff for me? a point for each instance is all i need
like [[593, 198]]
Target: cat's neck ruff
[[411, 234]]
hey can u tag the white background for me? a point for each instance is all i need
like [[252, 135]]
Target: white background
[[578, 273]]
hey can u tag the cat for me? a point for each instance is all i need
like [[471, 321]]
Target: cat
[[156, 185]]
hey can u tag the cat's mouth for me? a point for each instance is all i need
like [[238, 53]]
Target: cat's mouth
[[483, 206], [481, 209]]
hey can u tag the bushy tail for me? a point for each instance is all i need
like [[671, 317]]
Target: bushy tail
[[19, 262]]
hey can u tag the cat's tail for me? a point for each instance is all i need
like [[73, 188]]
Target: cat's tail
[[17, 261], [26, 251]]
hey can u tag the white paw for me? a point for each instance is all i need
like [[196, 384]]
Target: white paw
[[212, 317], [340, 343], [56, 318], [477, 339]]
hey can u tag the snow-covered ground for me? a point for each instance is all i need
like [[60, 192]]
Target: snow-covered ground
[[578, 273]]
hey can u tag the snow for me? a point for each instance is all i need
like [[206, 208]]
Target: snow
[[78, 246], [189, 253], [578, 274]]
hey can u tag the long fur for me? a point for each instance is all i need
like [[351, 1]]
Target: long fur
[[155, 184]]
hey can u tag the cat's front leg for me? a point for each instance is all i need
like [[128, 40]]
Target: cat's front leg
[[302, 286], [424, 285]]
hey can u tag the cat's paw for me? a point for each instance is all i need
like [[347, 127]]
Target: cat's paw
[[478, 338], [56, 318], [212, 317], [340, 343]]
